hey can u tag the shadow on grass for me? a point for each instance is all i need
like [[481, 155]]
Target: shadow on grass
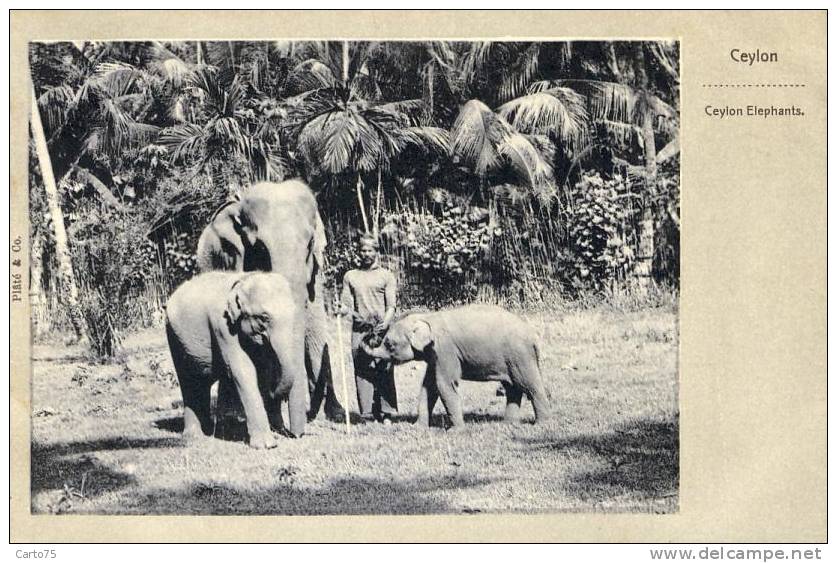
[[75, 469], [65, 357], [639, 460], [172, 424], [342, 496], [443, 421]]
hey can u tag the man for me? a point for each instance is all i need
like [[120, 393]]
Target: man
[[369, 296]]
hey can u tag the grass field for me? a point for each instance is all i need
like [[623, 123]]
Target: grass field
[[105, 437]]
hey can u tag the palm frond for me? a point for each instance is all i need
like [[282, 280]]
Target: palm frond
[[556, 111], [413, 111], [168, 66], [116, 78], [475, 59], [235, 96], [526, 160], [208, 79], [226, 132], [622, 134], [317, 137], [120, 129], [471, 137], [183, 142], [665, 53], [430, 139], [309, 75], [607, 100], [376, 144], [519, 74], [56, 103]]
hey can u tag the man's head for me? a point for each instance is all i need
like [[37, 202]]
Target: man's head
[[367, 248]]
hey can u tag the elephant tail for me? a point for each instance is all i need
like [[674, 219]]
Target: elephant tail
[[540, 372]]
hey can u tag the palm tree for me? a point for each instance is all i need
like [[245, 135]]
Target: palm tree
[[485, 141], [65, 265], [219, 127], [94, 105], [622, 99], [344, 128], [639, 109]]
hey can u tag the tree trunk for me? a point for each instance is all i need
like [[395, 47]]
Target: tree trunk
[[378, 202], [65, 265], [346, 64], [645, 255], [101, 189], [358, 190], [430, 86], [37, 303]]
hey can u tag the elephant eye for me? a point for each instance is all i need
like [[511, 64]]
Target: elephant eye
[[263, 322]]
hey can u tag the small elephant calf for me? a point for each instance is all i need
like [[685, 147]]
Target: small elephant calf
[[249, 326], [474, 343]]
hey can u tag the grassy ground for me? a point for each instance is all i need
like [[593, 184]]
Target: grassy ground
[[105, 438]]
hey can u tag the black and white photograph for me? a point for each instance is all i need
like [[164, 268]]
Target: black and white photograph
[[354, 277]]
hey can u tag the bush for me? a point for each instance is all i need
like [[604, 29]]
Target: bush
[[599, 230], [443, 254]]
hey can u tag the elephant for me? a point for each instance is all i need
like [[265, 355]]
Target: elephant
[[219, 246], [247, 327], [278, 228], [474, 343]]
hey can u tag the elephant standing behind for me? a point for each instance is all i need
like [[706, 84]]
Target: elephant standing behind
[[277, 228], [220, 247]]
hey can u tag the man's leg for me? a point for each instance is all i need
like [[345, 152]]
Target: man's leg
[[364, 377], [386, 396]]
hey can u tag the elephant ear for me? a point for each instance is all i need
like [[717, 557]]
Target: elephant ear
[[234, 308], [420, 335], [316, 249]]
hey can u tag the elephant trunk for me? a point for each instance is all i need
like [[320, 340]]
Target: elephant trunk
[[374, 351]]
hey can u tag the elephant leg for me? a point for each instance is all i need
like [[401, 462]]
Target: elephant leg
[[296, 410], [289, 383], [227, 407], [195, 387], [318, 366], [527, 376], [197, 419], [428, 395], [514, 396], [447, 376], [246, 382], [537, 394], [273, 407]]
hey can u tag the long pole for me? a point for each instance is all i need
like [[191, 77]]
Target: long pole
[[342, 362]]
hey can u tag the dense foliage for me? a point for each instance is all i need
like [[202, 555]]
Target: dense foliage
[[515, 166]]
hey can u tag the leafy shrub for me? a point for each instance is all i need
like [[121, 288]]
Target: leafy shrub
[[443, 254], [340, 257], [599, 232], [447, 248]]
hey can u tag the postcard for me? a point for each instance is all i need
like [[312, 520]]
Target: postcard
[[418, 276]]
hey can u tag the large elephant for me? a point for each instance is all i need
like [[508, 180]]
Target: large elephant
[[247, 327], [474, 343], [277, 228], [220, 246]]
